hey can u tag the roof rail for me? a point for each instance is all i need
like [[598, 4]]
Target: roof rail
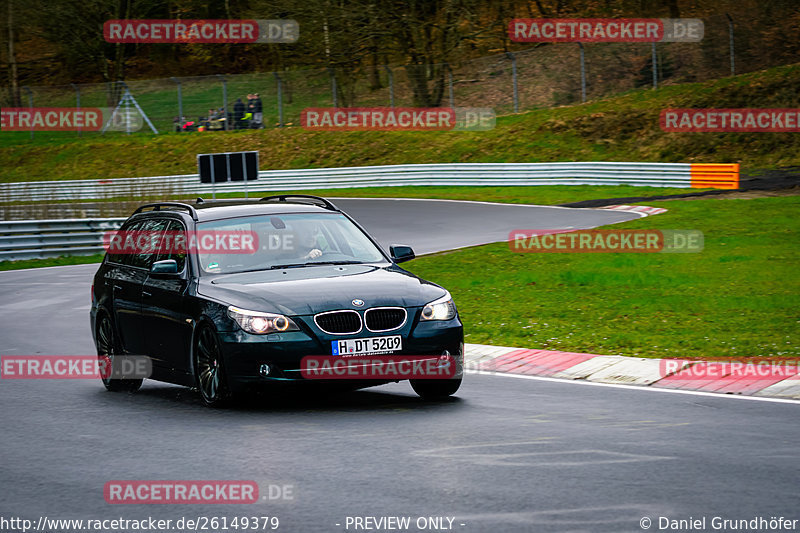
[[177, 205], [322, 202]]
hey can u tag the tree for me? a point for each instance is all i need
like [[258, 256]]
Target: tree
[[76, 28], [13, 75]]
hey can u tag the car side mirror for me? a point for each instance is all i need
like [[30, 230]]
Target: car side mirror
[[166, 268], [401, 253]]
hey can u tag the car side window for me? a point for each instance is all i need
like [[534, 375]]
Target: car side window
[[116, 245], [174, 228], [147, 230]]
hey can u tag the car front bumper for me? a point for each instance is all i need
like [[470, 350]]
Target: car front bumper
[[244, 354]]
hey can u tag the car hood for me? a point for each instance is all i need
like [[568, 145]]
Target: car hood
[[316, 289]]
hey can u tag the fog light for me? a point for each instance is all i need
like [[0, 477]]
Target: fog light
[[264, 370]]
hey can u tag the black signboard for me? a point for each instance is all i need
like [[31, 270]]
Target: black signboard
[[228, 166]]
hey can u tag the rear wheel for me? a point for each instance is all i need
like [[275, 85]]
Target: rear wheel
[[209, 370], [106, 351]]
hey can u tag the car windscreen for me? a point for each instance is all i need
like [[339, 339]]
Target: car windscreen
[[291, 240]]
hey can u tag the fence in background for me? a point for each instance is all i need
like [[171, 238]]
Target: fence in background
[[723, 176], [541, 76]]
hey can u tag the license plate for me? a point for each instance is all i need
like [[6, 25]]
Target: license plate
[[372, 345]]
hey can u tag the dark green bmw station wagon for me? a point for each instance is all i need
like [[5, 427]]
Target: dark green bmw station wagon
[[233, 295]]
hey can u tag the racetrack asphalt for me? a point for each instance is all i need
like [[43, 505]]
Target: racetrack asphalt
[[505, 455]]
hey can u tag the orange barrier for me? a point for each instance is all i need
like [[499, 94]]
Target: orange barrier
[[715, 176]]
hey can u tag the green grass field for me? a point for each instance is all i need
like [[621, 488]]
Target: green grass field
[[539, 195], [55, 261], [621, 128], [736, 298]]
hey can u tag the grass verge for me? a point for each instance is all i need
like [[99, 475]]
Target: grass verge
[[737, 298], [620, 128], [55, 261]]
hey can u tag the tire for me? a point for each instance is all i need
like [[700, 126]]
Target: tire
[[209, 371], [106, 350], [435, 389]]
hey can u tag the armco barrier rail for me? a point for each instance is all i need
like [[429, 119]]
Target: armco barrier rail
[[722, 176], [32, 239], [37, 239]]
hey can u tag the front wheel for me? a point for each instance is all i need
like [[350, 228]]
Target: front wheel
[[106, 350], [433, 389], [209, 370]]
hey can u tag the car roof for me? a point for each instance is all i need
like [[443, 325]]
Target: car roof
[[205, 210], [219, 210]]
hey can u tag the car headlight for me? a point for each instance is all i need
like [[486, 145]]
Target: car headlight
[[261, 323], [441, 309]]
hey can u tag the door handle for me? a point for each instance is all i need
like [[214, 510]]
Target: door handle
[[117, 287], [146, 294]]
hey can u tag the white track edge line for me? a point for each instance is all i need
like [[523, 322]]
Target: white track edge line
[[637, 387]]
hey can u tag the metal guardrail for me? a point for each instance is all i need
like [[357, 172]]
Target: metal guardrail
[[528, 174], [33, 239], [39, 239]]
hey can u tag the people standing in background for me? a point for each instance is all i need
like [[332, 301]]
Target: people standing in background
[[249, 112], [258, 115], [250, 103], [238, 113]]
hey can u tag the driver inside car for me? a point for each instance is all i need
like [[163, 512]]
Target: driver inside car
[[309, 240]]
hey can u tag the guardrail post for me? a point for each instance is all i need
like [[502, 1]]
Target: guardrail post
[[513, 59], [213, 180], [77, 103], [391, 85], [280, 99], [30, 104], [180, 103], [583, 73], [244, 169], [224, 98], [730, 39]]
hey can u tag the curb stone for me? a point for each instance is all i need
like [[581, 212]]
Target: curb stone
[[618, 369]]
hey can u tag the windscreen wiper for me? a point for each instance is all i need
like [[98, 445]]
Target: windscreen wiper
[[349, 262], [310, 263], [288, 265]]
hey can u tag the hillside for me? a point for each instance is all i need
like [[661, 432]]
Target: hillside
[[622, 128]]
